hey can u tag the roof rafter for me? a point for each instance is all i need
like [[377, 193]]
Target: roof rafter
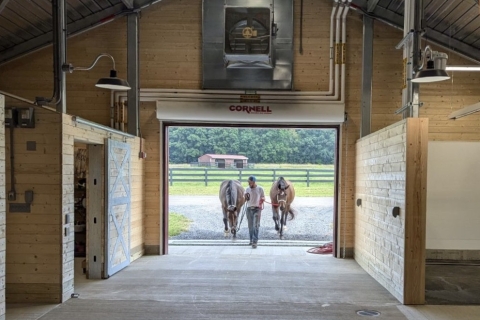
[[74, 28], [371, 5], [3, 4], [128, 4]]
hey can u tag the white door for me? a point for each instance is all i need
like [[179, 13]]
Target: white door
[[118, 206]]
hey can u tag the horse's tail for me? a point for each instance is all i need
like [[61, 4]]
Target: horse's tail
[[292, 213], [229, 195]]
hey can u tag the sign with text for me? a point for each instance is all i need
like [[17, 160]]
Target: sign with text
[[315, 113]]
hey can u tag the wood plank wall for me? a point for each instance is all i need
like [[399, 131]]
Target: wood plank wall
[[170, 57], [2, 208], [391, 172], [71, 133], [34, 243], [151, 134]]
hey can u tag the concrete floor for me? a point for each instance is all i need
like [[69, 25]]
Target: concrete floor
[[237, 282], [452, 284]]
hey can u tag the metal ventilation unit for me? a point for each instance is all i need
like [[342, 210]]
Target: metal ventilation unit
[[248, 44]]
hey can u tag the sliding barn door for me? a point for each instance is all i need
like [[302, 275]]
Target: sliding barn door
[[118, 200]]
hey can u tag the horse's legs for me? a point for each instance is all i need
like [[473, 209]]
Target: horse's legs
[[225, 221], [233, 225], [282, 223], [275, 217]]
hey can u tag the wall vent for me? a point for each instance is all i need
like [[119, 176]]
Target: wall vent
[[248, 44]]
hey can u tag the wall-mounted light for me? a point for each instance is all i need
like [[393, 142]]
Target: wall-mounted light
[[435, 68], [112, 82]]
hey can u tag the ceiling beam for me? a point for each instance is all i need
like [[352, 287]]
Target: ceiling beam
[[3, 4], [391, 18], [128, 4], [371, 4], [142, 4]]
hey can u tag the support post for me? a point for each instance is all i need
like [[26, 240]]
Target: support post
[[133, 73], [367, 76]]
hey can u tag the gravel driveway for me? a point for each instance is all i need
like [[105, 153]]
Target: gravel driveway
[[314, 221]]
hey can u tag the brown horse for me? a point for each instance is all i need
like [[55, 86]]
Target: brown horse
[[231, 197], [282, 195]]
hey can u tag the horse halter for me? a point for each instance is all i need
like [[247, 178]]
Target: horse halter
[[284, 197]]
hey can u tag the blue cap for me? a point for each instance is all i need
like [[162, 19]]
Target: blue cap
[[252, 178]]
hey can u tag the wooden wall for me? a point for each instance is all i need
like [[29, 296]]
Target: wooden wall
[[151, 134], [392, 172], [2, 208], [34, 243], [170, 57]]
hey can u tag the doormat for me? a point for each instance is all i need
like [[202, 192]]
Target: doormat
[[327, 248]]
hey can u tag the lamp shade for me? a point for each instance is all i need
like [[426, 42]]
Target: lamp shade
[[112, 82], [430, 75]]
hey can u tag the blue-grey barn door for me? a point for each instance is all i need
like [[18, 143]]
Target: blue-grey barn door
[[118, 192]]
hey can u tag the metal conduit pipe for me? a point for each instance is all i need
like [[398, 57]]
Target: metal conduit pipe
[[203, 96], [123, 98], [25, 100], [344, 49]]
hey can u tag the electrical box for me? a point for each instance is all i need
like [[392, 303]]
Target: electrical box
[[10, 117], [26, 117]]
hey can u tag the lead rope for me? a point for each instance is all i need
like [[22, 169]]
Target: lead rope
[[244, 209]]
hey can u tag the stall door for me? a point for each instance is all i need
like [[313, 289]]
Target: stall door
[[118, 207]]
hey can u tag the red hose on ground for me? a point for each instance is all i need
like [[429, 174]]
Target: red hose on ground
[[324, 249]]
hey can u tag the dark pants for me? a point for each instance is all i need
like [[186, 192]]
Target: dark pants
[[253, 217]]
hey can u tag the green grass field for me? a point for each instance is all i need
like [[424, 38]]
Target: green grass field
[[177, 224]]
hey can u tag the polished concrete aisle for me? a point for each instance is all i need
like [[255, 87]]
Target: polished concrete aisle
[[220, 282]]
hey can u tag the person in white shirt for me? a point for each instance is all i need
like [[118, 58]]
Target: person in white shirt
[[254, 196]]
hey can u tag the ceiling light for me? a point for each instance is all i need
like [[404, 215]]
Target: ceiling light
[[112, 82], [435, 69], [465, 111], [463, 68]]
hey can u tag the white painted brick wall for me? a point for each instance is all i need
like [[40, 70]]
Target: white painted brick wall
[[380, 183]]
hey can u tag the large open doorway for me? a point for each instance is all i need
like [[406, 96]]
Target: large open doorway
[[204, 112], [200, 157]]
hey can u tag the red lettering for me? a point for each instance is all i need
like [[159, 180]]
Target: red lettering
[[250, 109]]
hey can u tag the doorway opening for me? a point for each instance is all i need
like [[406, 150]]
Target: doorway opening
[[305, 155]]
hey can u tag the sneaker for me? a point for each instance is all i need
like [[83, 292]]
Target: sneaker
[[254, 246]]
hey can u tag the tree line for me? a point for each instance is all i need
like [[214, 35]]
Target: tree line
[[299, 146]]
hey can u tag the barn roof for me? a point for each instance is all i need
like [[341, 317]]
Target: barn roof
[[454, 24], [226, 156]]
